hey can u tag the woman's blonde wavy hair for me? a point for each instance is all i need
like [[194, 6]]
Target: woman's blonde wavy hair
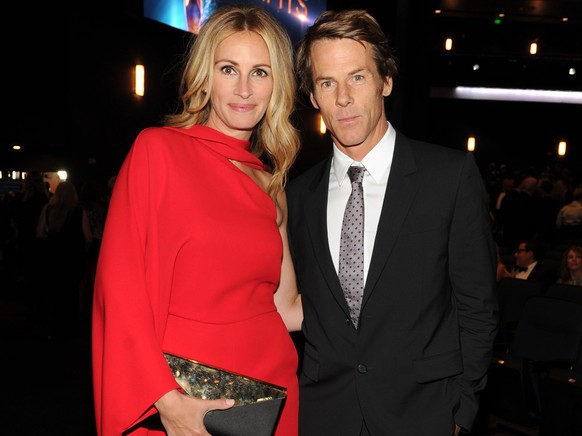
[[275, 135]]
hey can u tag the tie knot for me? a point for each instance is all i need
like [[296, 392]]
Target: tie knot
[[356, 174]]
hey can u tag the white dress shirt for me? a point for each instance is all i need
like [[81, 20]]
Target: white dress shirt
[[377, 163], [525, 274]]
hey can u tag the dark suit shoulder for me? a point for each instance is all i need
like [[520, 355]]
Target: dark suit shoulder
[[430, 151], [431, 160], [310, 176]]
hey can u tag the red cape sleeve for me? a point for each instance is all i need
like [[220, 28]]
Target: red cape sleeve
[[130, 305]]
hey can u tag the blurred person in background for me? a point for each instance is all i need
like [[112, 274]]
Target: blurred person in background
[[25, 210], [65, 235], [569, 219], [529, 264], [570, 272]]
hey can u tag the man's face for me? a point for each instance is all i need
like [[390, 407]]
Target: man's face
[[349, 93], [523, 256]]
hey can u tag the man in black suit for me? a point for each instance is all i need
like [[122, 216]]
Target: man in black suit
[[415, 359], [529, 266]]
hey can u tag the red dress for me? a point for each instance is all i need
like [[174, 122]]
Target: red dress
[[190, 259]]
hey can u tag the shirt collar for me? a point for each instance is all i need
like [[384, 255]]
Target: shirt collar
[[376, 162]]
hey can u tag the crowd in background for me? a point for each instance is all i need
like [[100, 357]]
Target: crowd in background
[[50, 238], [536, 216], [529, 203]]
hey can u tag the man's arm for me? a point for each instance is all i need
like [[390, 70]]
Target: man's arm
[[472, 269]]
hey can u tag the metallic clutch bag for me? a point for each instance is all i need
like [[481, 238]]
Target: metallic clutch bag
[[257, 407]]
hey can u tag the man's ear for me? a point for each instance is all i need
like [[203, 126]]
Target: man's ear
[[387, 89], [313, 101]]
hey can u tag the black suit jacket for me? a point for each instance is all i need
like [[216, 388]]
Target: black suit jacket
[[544, 272], [419, 358]]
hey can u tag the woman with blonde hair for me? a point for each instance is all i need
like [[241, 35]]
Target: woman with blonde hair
[[194, 259], [274, 135]]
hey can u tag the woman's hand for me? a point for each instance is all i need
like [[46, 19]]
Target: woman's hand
[[182, 415]]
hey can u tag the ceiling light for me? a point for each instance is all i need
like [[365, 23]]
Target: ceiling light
[[508, 94], [139, 85], [562, 148]]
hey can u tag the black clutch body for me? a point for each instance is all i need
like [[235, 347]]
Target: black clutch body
[[257, 406]]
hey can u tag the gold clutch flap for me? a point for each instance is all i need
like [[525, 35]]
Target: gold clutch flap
[[207, 382]]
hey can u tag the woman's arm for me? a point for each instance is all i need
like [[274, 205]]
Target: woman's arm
[[287, 297]]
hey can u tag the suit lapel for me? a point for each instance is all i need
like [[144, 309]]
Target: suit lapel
[[315, 212], [401, 189]]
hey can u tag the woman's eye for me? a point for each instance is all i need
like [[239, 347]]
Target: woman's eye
[[261, 73], [227, 69]]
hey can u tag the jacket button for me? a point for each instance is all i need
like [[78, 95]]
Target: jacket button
[[362, 369], [348, 321]]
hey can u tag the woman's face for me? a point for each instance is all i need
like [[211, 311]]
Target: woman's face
[[574, 261], [242, 84]]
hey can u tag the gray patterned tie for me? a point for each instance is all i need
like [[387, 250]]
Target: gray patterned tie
[[351, 261]]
